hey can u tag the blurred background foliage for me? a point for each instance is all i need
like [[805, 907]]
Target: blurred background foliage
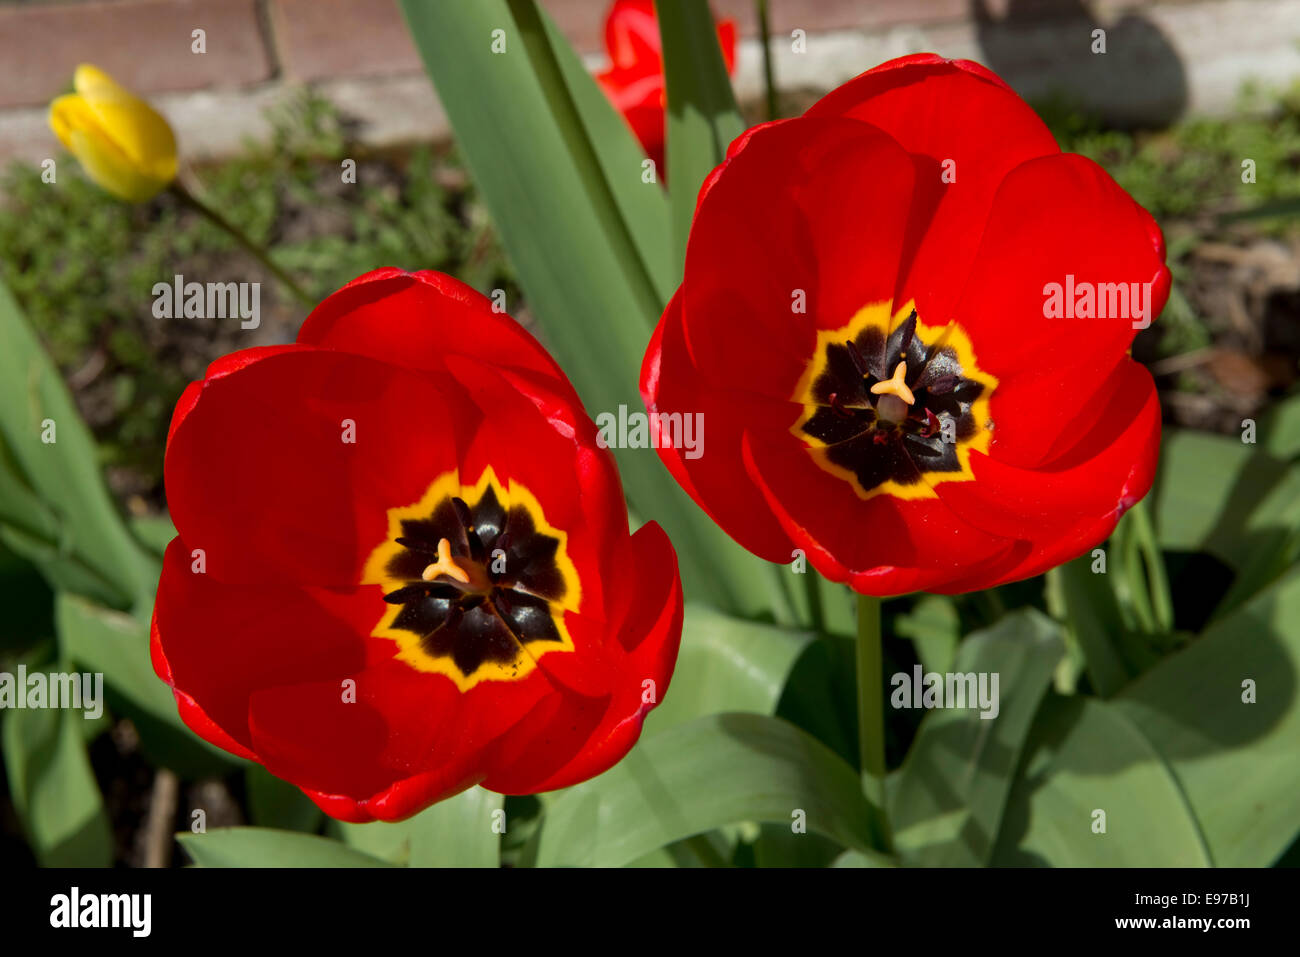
[[81, 263]]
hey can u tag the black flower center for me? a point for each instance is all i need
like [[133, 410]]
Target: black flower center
[[475, 585], [895, 410]]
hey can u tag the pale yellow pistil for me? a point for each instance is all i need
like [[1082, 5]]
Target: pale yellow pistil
[[473, 577], [894, 394]]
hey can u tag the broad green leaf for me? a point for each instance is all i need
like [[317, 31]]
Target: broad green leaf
[[54, 507], [659, 857], [934, 627], [1086, 759], [1223, 496], [946, 800], [1236, 501], [545, 159], [1238, 762], [861, 859], [462, 831], [155, 532], [53, 786], [274, 803], [28, 605], [701, 850], [820, 696], [116, 644], [713, 771], [1279, 429], [267, 847], [702, 115], [778, 845], [642, 206], [839, 606], [1092, 615], [390, 843], [1266, 565], [726, 664]]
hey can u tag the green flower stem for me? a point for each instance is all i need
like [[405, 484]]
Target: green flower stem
[[193, 202], [1157, 582], [871, 715]]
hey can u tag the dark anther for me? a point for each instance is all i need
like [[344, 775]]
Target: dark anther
[[463, 512], [909, 330], [932, 425], [415, 545], [858, 362], [942, 385], [407, 593]]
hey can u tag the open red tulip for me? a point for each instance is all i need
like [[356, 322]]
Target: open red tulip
[[403, 565], [634, 81], [905, 316]]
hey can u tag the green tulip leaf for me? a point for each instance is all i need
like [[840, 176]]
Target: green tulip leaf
[[1224, 712], [465, 830], [267, 847], [116, 645], [702, 117], [1094, 792], [1234, 500], [692, 778], [53, 786], [462, 831], [947, 799], [54, 507], [274, 803], [726, 664], [1093, 617]]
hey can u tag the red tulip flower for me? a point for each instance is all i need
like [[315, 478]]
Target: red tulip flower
[[403, 565], [905, 316], [634, 81]]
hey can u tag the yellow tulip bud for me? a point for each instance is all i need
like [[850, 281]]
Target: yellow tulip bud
[[122, 142]]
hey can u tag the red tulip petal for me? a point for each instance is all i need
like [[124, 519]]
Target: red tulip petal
[[404, 725], [1054, 218], [944, 110], [415, 320], [670, 384], [529, 439], [632, 35], [216, 643], [259, 475], [727, 44], [592, 734], [1071, 504], [881, 545], [841, 235]]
